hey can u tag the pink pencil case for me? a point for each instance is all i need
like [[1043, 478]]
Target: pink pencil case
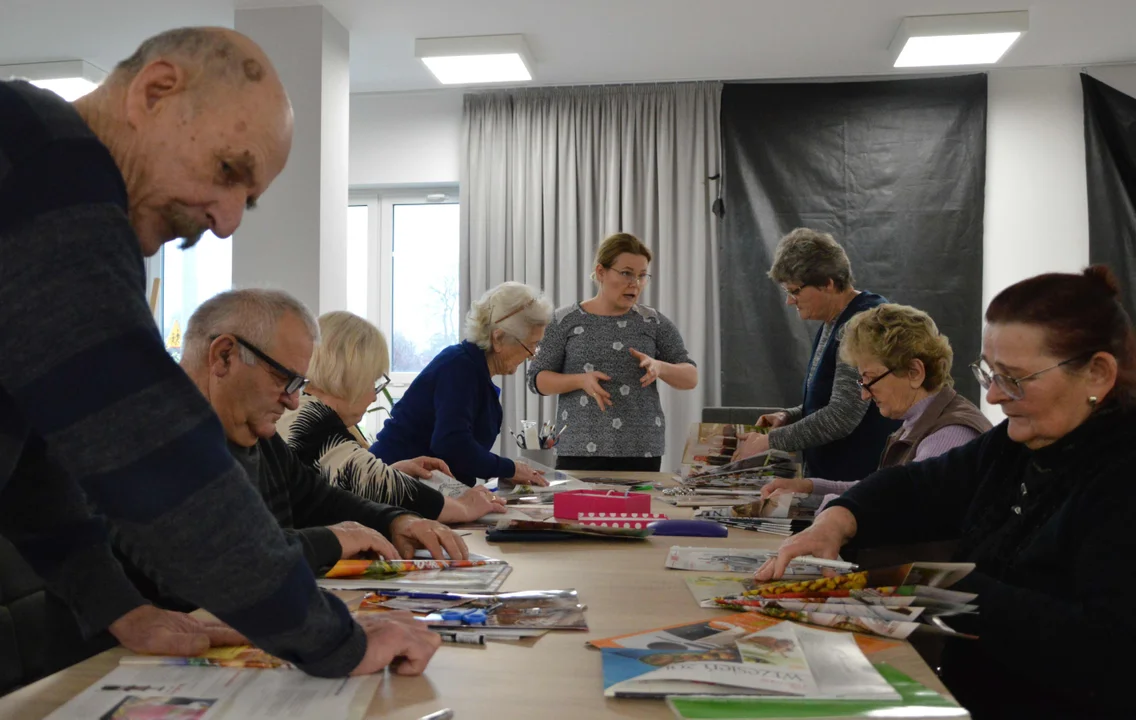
[[571, 504], [635, 521]]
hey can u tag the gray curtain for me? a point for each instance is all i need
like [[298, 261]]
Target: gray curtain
[[547, 173]]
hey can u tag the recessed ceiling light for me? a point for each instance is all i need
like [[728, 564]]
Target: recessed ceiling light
[[476, 59], [70, 79], [939, 40]]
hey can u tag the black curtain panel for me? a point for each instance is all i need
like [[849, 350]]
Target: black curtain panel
[[1110, 165], [895, 170]]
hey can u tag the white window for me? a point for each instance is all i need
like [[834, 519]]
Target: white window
[[413, 237], [189, 278]]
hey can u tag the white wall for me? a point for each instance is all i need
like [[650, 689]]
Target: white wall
[[405, 138], [1036, 197]]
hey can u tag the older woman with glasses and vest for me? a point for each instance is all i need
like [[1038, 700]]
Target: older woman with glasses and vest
[[904, 364], [452, 410], [1043, 505], [840, 433]]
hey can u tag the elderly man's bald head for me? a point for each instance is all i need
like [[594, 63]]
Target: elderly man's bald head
[[219, 53], [200, 124]]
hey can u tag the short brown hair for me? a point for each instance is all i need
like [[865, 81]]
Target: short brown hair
[[809, 257], [615, 245], [1080, 315], [895, 335]]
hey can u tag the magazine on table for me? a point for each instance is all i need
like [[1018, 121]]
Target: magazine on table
[[783, 659], [916, 702], [575, 528], [142, 690], [853, 601], [486, 575], [531, 609], [716, 632], [713, 444], [740, 560]]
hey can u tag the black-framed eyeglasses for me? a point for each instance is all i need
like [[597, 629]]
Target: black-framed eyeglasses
[[293, 381], [1009, 384], [868, 385], [382, 383]]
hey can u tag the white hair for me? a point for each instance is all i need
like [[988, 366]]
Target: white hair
[[512, 307], [253, 314], [351, 356]]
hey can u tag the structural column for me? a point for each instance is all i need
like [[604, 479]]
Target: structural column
[[296, 240]]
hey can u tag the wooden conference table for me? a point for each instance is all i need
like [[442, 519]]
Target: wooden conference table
[[625, 587]]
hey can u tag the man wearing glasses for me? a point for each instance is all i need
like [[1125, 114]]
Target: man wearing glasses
[[250, 383]]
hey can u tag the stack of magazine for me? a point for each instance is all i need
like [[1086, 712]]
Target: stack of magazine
[[709, 451], [746, 666], [892, 602]]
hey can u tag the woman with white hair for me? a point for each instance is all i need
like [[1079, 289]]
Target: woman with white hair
[[452, 410], [348, 371]]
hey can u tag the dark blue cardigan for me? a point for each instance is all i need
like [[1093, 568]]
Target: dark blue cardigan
[[856, 455], [451, 411]]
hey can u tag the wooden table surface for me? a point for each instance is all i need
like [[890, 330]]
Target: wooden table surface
[[625, 587]]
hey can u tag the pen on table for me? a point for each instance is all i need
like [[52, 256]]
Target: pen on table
[[444, 714], [463, 638], [421, 595]]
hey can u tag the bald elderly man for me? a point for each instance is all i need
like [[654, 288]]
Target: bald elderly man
[[183, 137]]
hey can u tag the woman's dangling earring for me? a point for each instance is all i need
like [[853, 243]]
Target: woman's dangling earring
[[1093, 401]]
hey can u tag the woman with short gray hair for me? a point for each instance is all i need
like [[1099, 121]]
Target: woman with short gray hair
[[452, 410], [840, 433]]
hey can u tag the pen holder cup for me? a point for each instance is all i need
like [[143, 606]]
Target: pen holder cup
[[543, 457]]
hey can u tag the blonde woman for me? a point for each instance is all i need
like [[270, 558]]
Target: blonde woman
[[904, 364], [602, 357], [452, 410], [348, 370]]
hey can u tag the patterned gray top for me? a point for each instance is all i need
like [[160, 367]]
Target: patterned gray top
[[578, 342]]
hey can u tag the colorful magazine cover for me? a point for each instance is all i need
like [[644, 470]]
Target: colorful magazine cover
[[717, 632], [230, 656], [782, 659], [808, 600], [713, 444], [534, 609]]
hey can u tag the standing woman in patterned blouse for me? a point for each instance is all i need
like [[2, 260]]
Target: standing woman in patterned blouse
[[602, 358]]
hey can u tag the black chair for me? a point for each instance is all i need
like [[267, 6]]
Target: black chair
[[38, 632]]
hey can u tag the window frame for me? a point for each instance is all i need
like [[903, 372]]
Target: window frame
[[380, 203]]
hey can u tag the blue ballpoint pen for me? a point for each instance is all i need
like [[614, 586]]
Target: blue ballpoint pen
[[421, 595]]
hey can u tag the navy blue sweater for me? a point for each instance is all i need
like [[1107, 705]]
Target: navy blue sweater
[[93, 411], [856, 455], [451, 411]]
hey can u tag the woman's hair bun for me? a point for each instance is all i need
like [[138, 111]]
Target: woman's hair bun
[[1102, 275]]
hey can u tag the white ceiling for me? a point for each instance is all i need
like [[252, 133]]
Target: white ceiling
[[591, 41]]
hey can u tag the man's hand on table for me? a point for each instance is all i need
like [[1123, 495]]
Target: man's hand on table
[[397, 640], [151, 630]]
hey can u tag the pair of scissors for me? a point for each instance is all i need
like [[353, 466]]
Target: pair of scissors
[[466, 617]]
